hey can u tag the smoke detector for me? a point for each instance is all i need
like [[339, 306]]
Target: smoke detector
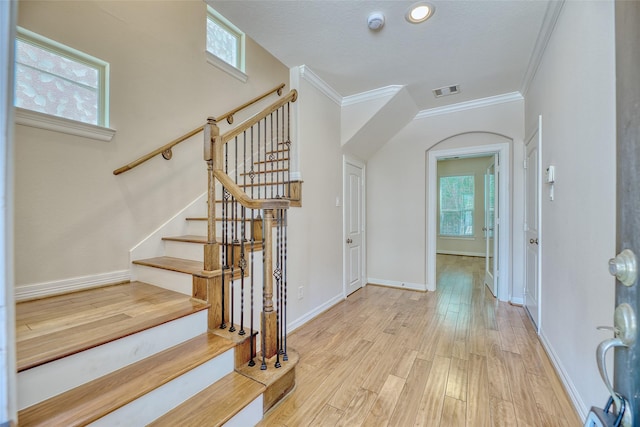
[[375, 22]]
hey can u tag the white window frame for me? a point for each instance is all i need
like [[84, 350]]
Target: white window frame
[[237, 71], [473, 211], [100, 131]]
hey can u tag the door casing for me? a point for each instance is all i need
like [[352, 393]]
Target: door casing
[[504, 203]]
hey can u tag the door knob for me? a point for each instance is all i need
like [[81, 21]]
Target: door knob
[[532, 241], [624, 267], [349, 241]]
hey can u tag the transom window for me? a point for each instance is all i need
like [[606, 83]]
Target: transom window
[[456, 205], [55, 79], [224, 40]]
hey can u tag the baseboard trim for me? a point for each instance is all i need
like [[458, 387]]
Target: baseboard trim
[[517, 301], [578, 404], [57, 287], [313, 313], [396, 284]]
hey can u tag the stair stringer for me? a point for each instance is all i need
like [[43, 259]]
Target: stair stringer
[[152, 245]]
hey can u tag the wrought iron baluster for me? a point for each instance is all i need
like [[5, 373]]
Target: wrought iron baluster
[[252, 269], [285, 356]]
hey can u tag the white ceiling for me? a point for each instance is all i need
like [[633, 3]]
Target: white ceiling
[[484, 46]]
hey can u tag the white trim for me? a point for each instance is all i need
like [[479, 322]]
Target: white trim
[[152, 245], [397, 284], [294, 155], [371, 95], [321, 85], [346, 159], [292, 326], [8, 380], [60, 124], [461, 253], [56, 287], [468, 105], [226, 67], [504, 209], [546, 30], [570, 388], [517, 301]]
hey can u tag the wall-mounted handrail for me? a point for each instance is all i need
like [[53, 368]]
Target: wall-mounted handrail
[[165, 150]]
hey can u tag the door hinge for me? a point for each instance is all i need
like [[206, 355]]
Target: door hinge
[[524, 163]]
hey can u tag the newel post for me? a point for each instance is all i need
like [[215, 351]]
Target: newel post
[[211, 248], [269, 316]]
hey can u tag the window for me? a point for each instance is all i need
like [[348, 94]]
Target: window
[[57, 80], [456, 205], [225, 45]]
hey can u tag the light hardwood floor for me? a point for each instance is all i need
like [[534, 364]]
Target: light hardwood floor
[[454, 357]]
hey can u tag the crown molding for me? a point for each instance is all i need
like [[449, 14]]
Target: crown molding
[[371, 95], [321, 85], [546, 30], [468, 105]]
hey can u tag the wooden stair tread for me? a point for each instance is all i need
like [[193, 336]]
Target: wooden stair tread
[[189, 238], [58, 326], [204, 218], [179, 265], [215, 405], [266, 184], [262, 162], [266, 171], [90, 401]]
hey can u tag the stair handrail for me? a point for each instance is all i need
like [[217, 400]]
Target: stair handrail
[[292, 96], [165, 150], [242, 197]]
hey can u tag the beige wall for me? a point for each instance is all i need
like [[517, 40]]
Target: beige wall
[[473, 245], [574, 91], [73, 216], [397, 189], [315, 230]]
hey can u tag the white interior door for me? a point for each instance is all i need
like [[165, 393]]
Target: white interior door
[[491, 226], [532, 227], [354, 228]]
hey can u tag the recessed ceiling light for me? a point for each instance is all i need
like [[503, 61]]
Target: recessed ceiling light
[[419, 12]]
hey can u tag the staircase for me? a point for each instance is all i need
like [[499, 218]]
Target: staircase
[[199, 338]]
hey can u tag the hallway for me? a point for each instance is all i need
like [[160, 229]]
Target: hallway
[[454, 357]]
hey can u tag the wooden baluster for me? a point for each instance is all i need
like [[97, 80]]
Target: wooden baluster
[[269, 316]]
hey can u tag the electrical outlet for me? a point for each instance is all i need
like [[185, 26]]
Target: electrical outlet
[[301, 292]]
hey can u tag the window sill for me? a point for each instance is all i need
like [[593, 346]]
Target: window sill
[[227, 68], [62, 125]]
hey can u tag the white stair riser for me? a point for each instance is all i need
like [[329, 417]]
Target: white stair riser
[[161, 400], [185, 250], [167, 279], [45, 381], [249, 416], [197, 228]]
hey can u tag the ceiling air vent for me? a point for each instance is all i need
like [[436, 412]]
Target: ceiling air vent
[[446, 91]]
